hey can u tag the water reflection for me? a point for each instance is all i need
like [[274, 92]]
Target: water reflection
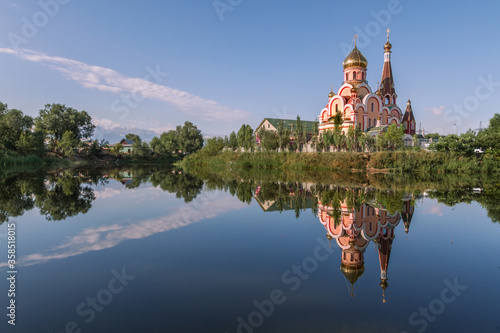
[[57, 196], [353, 225]]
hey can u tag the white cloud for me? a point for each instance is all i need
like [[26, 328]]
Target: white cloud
[[104, 237], [434, 210], [438, 111], [109, 80]]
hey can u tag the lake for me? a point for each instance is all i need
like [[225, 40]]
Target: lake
[[160, 250]]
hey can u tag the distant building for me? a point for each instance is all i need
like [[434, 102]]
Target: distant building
[[126, 146], [359, 106], [271, 124]]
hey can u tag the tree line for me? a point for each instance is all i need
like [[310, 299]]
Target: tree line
[[66, 131]]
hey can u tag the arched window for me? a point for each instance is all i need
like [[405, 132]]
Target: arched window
[[336, 108], [372, 107], [370, 122], [388, 100], [354, 75]]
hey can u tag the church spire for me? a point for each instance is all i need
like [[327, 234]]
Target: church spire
[[387, 87]]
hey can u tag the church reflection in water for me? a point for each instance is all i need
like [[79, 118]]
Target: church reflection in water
[[354, 228]]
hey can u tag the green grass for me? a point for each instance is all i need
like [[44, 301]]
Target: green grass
[[398, 161]]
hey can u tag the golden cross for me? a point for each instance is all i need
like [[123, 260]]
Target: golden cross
[[388, 31], [355, 39], [332, 87]]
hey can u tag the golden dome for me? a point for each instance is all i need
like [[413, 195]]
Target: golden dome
[[355, 59], [354, 90], [331, 94], [388, 46]]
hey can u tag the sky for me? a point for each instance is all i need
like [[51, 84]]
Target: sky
[[148, 66]]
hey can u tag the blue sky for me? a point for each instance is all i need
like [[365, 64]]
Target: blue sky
[[256, 59]]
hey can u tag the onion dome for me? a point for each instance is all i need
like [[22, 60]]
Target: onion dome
[[354, 90], [387, 46], [331, 94], [355, 59]]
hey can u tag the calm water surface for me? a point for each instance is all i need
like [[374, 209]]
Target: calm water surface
[[141, 251]]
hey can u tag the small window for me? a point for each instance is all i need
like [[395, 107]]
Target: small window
[[354, 75], [370, 122], [268, 125], [372, 107]]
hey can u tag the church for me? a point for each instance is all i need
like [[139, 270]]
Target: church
[[360, 106]]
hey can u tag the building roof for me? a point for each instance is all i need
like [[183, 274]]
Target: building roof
[[355, 59], [127, 141], [288, 123], [123, 142], [387, 83], [408, 116]]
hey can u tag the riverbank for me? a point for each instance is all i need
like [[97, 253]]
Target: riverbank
[[398, 161]]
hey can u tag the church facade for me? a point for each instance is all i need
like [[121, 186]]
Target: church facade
[[360, 106]]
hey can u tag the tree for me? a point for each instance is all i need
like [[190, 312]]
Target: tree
[[57, 119], [31, 143], [283, 136], [394, 136], [246, 137], [67, 144], [139, 149], [268, 139], [233, 141], [433, 136], [338, 137], [133, 137], [116, 150], [299, 133], [170, 142], [189, 138], [315, 136], [494, 126], [13, 123], [214, 146], [158, 147]]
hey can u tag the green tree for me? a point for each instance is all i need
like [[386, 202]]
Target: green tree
[[13, 124], [268, 139], [214, 146], [283, 136], [233, 141], [157, 147], [246, 137], [170, 142], [133, 137], [67, 144], [31, 143], [57, 119], [394, 136], [116, 150], [298, 133], [189, 138]]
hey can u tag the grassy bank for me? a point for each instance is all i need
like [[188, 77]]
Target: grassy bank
[[399, 161], [31, 162]]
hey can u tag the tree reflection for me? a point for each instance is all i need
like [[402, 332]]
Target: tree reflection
[[57, 196], [66, 195]]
